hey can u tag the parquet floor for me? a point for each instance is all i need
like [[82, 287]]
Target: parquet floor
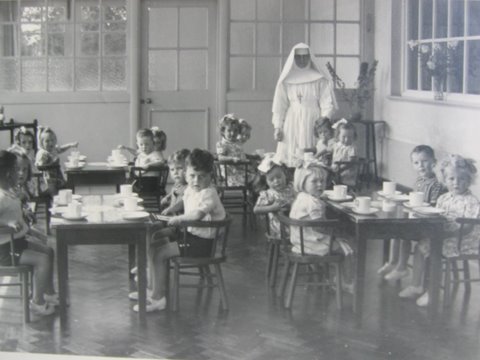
[[101, 322]]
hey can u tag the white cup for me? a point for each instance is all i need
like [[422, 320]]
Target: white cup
[[73, 162], [388, 206], [65, 196], [75, 154], [74, 209], [130, 203], [340, 191], [416, 198], [362, 203], [126, 190], [389, 187]]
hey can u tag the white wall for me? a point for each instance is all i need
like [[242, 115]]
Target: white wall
[[447, 127]]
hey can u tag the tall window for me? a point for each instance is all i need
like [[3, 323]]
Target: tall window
[[63, 45], [448, 26], [262, 33]]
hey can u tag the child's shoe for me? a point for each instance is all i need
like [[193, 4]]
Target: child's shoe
[[134, 295], [51, 299], [396, 274], [133, 271], [153, 305], [423, 300], [411, 292], [44, 309], [385, 269]]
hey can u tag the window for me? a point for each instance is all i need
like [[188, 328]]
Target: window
[[63, 45], [451, 27], [262, 33]]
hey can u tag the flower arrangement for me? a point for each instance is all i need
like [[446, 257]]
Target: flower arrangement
[[358, 97]]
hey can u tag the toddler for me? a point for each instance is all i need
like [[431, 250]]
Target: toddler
[[344, 149], [159, 139], [245, 131], [176, 165], [200, 202], [48, 155], [458, 174], [279, 194], [25, 141], [423, 162], [39, 256]]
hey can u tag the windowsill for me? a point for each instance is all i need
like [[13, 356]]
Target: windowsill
[[428, 100], [15, 98]]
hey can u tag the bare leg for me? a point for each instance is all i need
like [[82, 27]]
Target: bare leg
[[42, 273], [404, 254], [419, 262], [48, 251]]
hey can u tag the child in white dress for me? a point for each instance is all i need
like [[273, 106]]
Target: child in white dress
[[344, 149], [159, 139], [458, 174], [176, 165]]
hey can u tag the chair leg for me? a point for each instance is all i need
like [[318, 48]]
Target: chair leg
[[466, 276], [208, 274], [273, 272], [268, 269], [291, 286], [167, 284], [221, 287], [176, 286], [283, 285], [25, 297], [338, 285], [447, 284]]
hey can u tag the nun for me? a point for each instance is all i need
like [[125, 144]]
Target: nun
[[303, 94]]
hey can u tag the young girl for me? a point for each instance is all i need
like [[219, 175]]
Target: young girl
[[245, 131], [279, 195], [26, 253], [458, 174], [324, 133], [48, 155], [159, 139], [176, 165], [423, 162], [200, 202], [344, 149], [25, 141]]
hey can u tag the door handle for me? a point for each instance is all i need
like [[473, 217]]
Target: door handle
[[146, 101]]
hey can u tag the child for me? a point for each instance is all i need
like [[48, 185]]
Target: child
[[279, 195], [245, 131], [48, 155], [176, 165], [423, 162], [200, 202], [159, 139], [458, 174], [25, 141], [26, 253], [344, 149]]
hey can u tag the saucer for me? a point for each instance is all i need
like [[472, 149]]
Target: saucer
[[369, 212], [119, 202], [428, 210], [74, 217], [346, 198], [136, 215], [58, 210], [381, 193], [348, 204], [397, 197], [74, 167], [407, 205], [137, 208]]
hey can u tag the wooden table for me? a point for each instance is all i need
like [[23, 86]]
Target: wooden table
[[401, 223], [96, 173], [103, 225]]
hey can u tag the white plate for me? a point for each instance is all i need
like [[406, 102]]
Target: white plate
[[72, 217], [58, 210], [119, 202], [429, 210], [397, 197], [76, 197], [82, 158], [136, 215], [346, 198], [121, 196], [348, 204], [381, 193], [407, 204], [117, 166], [369, 212], [138, 208], [71, 167]]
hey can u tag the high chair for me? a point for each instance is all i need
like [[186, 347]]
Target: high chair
[[150, 188], [23, 273], [296, 260]]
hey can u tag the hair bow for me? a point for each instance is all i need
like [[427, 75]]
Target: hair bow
[[269, 161], [155, 128], [341, 121]]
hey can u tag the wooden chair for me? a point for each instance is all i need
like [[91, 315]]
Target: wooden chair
[[150, 189], [452, 265], [234, 195], [315, 262], [359, 167], [182, 264], [44, 200], [23, 273], [273, 254]]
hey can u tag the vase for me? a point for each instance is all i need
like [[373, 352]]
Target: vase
[[438, 92]]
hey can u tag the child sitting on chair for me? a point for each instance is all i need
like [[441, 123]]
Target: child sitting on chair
[[245, 131], [458, 174], [159, 139], [344, 149], [176, 165], [48, 155], [200, 202]]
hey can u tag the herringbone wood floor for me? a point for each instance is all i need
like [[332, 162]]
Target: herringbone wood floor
[[101, 322]]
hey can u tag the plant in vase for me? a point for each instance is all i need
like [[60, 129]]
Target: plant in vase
[[358, 97]]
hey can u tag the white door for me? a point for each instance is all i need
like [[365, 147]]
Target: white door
[[178, 70]]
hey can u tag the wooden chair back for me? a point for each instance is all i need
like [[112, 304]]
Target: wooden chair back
[[222, 178]]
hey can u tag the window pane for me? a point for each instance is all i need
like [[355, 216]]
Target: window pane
[[115, 44], [242, 9], [89, 27], [292, 35], [455, 73], [321, 62], [269, 9], [87, 74], [321, 9], [162, 70], [347, 69], [115, 13], [241, 38], [241, 73], [162, 27], [8, 10], [32, 41], [115, 26], [8, 74], [473, 82], [113, 74], [89, 44], [268, 38], [321, 38], [60, 74], [412, 68], [441, 26], [457, 18], [33, 75], [425, 77], [87, 10], [413, 15], [295, 10], [193, 70], [427, 16], [348, 39], [268, 71], [31, 11], [348, 10], [473, 17], [7, 40], [56, 44], [57, 10], [193, 27]]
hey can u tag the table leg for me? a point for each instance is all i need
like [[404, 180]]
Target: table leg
[[359, 284], [62, 272], [131, 259], [436, 245], [142, 275]]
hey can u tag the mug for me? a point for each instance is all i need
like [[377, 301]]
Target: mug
[[73, 161], [64, 196], [74, 209], [389, 187], [130, 203], [126, 190], [362, 203], [416, 198], [388, 206], [75, 154], [340, 191]]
